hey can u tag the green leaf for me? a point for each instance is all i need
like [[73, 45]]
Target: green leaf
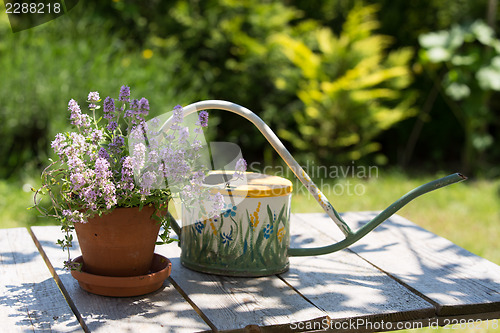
[[434, 39], [482, 141], [438, 54], [482, 32], [458, 91], [459, 60], [489, 78]]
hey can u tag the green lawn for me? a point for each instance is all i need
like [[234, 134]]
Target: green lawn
[[467, 213], [16, 196]]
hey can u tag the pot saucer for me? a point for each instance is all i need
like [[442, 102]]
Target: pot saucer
[[125, 286]]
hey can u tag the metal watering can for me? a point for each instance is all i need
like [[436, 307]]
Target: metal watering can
[[252, 238]]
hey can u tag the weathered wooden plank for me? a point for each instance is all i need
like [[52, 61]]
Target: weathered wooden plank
[[29, 297], [346, 286], [162, 311], [455, 280], [233, 303]]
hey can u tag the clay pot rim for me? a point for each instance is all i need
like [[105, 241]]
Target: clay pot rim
[[160, 270]]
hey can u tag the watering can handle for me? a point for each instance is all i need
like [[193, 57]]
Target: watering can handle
[[275, 142]]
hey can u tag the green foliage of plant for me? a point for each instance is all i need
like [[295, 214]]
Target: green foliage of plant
[[351, 88], [468, 59], [227, 44], [42, 68]]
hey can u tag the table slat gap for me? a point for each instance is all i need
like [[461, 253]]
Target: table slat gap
[[235, 302], [331, 281], [457, 281], [160, 311], [395, 278], [58, 281], [298, 292], [195, 307], [30, 299]]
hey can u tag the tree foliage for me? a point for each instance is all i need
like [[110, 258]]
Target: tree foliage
[[468, 60], [332, 77], [350, 86]]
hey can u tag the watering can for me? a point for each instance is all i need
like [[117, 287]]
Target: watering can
[[252, 238]]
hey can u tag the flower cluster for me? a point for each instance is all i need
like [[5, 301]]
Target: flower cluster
[[120, 160]]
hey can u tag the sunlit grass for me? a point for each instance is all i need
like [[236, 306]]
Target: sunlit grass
[[16, 198]]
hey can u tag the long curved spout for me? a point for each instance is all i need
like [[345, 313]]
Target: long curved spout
[[377, 220], [351, 237]]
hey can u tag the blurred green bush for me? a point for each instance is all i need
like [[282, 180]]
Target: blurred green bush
[[324, 74], [43, 68], [350, 86], [465, 61]]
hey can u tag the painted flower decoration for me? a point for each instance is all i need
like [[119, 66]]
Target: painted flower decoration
[[281, 234], [199, 226], [230, 210], [268, 230], [226, 238]]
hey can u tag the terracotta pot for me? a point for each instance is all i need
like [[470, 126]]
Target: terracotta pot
[[120, 243]]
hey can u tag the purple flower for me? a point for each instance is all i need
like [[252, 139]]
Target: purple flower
[[240, 168], [103, 154], [75, 163], [134, 104], [77, 181], [203, 118], [183, 134], [59, 144], [73, 216], [127, 183], [112, 126], [73, 107], [148, 179], [138, 156], [117, 144], [218, 204], [97, 136], [94, 96], [124, 94], [109, 108], [102, 169], [178, 114], [90, 196], [144, 106], [108, 190], [129, 114], [77, 118]]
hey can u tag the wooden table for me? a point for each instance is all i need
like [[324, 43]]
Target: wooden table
[[399, 276]]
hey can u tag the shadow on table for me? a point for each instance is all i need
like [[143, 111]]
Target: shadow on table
[[37, 306], [162, 308], [343, 285], [448, 275]]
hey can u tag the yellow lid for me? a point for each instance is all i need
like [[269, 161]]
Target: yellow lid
[[254, 185]]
